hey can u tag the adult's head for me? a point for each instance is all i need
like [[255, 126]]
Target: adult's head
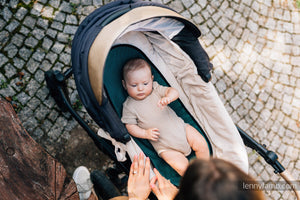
[[216, 179]]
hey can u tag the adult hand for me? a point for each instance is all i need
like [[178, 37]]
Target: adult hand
[[138, 181], [165, 190]]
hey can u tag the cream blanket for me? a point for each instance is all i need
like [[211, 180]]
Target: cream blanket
[[199, 98]]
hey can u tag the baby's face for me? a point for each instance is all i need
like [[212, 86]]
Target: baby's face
[[138, 83]]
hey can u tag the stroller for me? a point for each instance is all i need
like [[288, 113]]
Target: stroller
[[126, 29]]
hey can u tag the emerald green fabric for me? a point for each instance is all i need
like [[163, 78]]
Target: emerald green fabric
[[116, 59]]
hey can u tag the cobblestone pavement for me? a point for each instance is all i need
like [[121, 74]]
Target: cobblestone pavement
[[253, 44]]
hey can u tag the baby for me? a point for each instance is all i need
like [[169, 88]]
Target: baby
[[146, 115]]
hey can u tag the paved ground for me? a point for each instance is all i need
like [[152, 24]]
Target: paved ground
[[253, 44]]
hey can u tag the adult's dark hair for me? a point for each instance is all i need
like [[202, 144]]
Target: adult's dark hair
[[216, 179]]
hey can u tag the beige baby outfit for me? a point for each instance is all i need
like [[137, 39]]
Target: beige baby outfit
[[146, 114]]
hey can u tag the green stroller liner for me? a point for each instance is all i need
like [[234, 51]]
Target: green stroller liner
[[116, 59]]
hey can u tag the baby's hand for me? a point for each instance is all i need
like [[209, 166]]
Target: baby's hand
[[152, 134], [163, 102]]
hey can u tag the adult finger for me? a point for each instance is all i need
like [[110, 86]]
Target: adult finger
[[141, 164], [135, 165], [147, 167], [133, 169], [160, 179], [154, 188]]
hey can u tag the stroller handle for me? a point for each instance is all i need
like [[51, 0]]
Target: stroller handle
[[269, 156]]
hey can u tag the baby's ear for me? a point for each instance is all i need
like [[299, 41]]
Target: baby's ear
[[124, 84], [152, 77]]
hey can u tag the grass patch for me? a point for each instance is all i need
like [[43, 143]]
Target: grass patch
[[77, 105], [27, 6], [3, 84]]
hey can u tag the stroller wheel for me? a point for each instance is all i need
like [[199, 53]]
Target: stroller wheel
[[103, 186]]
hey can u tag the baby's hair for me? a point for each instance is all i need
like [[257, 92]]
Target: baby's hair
[[134, 64]]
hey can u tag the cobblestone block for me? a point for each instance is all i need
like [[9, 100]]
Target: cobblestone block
[[53, 115], [52, 58], [236, 101], [54, 3], [25, 31], [65, 7], [71, 19], [58, 66], [52, 33], [12, 26], [31, 42], [177, 6], [43, 23], [25, 114], [46, 126], [97, 3], [286, 108], [195, 9], [26, 1], [86, 10], [57, 25], [39, 76], [29, 22], [33, 103], [10, 71], [21, 13], [65, 58], [11, 50], [41, 112], [59, 16], [187, 3], [252, 26], [7, 14], [47, 43], [57, 47], [32, 65], [38, 33], [19, 63], [38, 55], [55, 132], [47, 12], [23, 98], [38, 133], [221, 86], [32, 87], [25, 53], [243, 124], [42, 93], [69, 29], [37, 8], [2, 24]]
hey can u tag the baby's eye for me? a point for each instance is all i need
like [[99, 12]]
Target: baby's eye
[[146, 83], [133, 85]]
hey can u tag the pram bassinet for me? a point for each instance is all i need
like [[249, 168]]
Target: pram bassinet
[[98, 52], [150, 29]]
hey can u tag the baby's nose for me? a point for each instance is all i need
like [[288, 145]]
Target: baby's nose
[[140, 87]]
